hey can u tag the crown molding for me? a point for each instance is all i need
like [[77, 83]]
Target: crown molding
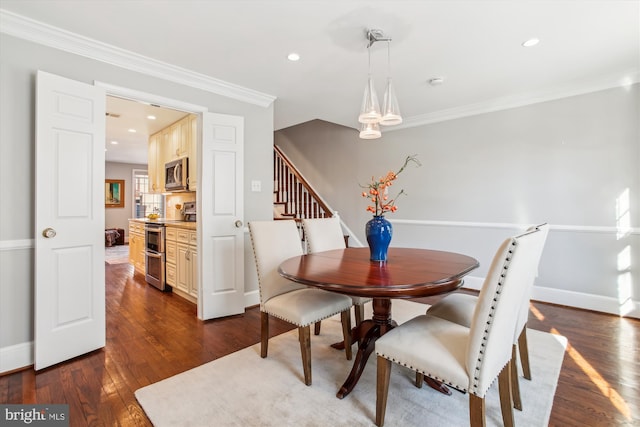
[[520, 100], [47, 35]]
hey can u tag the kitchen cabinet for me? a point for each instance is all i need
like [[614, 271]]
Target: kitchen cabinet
[[155, 163], [182, 262], [137, 246], [179, 142], [193, 148], [170, 256], [171, 143]]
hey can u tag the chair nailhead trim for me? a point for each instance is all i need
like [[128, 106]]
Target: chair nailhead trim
[[474, 387], [435, 377]]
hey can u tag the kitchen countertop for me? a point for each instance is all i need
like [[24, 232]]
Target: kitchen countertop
[[190, 225]]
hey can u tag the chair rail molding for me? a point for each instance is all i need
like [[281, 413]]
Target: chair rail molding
[[516, 226], [12, 245]]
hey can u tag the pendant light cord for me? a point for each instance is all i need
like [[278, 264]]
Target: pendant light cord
[[369, 53]]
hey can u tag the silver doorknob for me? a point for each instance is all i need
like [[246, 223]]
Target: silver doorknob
[[238, 223], [49, 233]]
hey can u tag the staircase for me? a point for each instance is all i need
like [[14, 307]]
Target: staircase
[[293, 197]]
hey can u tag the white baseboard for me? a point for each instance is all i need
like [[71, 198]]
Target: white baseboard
[[16, 357], [572, 299], [251, 298]]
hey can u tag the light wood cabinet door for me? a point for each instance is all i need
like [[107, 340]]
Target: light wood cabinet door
[[178, 139], [183, 144], [193, 151], [171, 256], [193, 282], [155, 164], [187, 269], [137, 246], [183, 267]]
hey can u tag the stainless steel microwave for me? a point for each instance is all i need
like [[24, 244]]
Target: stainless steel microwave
[[176, 175]]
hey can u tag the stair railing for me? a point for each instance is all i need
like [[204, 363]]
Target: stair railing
[[293, 193]]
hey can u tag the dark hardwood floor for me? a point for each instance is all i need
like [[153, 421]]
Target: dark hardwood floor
[[151, 336]]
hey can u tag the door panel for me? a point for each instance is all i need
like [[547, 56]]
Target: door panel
[[69, 259], [220, 216]]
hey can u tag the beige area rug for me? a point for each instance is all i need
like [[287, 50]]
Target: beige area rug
[[243, 389], [117, 254]]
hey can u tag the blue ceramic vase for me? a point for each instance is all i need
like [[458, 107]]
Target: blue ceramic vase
[[379, 232]]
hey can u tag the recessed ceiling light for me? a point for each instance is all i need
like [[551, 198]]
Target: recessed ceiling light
[[293, 57], [530, 42], [436, 81], [132, 130], [151, 117], [114, 142]]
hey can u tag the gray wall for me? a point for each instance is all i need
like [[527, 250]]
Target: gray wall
[[18, 64], [484, 177], [119, 217]]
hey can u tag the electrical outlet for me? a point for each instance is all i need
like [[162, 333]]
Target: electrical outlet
[[256, 186]]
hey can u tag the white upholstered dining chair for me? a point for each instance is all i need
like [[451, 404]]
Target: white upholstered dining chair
[[458, 308], [325, 234], [467, 358], [274, 242]]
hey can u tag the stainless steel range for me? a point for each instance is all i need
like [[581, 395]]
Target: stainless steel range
[[154, 256]]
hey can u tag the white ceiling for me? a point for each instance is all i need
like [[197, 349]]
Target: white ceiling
[[474, 45], [131, 147]]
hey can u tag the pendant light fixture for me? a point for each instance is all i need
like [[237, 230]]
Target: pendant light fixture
[[370, 115], [370, 131], [390, 108], [370, 110]]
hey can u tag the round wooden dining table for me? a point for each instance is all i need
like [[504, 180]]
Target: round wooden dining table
[[407, 273]]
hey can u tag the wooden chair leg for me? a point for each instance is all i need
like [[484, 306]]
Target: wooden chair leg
[[476, 411], [358, 309], [524, 353], [345, 316], [264, 334], [504, 387], [304, 335], [419, 379], [515, 385], [316, 328], [382, 389]]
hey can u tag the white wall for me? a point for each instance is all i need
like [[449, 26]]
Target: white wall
[[566, 162], [18, 65]]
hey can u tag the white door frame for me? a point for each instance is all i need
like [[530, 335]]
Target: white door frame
[[140, 96]]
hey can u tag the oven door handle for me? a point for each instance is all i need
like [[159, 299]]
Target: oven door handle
[[153, 254]]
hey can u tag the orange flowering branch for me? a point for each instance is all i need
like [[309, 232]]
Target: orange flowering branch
[[378, 190]]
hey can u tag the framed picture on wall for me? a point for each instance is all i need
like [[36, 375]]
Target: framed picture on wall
[[114, 193]]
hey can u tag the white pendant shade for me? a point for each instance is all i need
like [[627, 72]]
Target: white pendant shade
[[390, 108], [370, 115], [370, 131], [370, 111]]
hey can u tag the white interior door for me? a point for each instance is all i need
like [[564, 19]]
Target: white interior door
[[69, 219], [220, 216]]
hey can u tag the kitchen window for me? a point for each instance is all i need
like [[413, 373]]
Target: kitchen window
[[144, 202]]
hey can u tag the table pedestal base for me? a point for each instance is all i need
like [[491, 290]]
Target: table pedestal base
[[366, 334]]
